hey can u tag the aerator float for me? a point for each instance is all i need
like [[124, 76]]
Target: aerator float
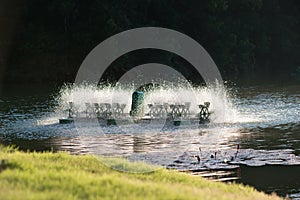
[[113, 113]]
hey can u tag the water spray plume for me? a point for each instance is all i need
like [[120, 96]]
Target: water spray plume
[[221, 106]]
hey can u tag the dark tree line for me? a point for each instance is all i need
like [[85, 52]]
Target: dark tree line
[[244, 37]]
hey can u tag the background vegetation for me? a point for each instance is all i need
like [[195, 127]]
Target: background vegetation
[[249, 38]]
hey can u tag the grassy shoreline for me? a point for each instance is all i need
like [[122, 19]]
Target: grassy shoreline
[[25, 175]]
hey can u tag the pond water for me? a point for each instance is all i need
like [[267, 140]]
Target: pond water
[[262, 121]]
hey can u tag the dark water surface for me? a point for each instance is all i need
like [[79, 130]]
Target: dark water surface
[[263, 121]]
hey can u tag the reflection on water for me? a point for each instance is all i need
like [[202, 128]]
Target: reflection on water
[[284, 136], [257, 118]]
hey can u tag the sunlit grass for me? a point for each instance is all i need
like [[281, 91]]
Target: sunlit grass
[[62, 176], [123, 165]]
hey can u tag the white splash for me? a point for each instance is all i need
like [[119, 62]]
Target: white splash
[[221, 105]]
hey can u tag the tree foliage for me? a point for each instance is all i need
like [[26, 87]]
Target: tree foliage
[[249, 36]]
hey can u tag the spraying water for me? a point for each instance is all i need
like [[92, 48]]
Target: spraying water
[[221, 105]]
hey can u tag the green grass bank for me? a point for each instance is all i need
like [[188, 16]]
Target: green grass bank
[[48, 175]]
